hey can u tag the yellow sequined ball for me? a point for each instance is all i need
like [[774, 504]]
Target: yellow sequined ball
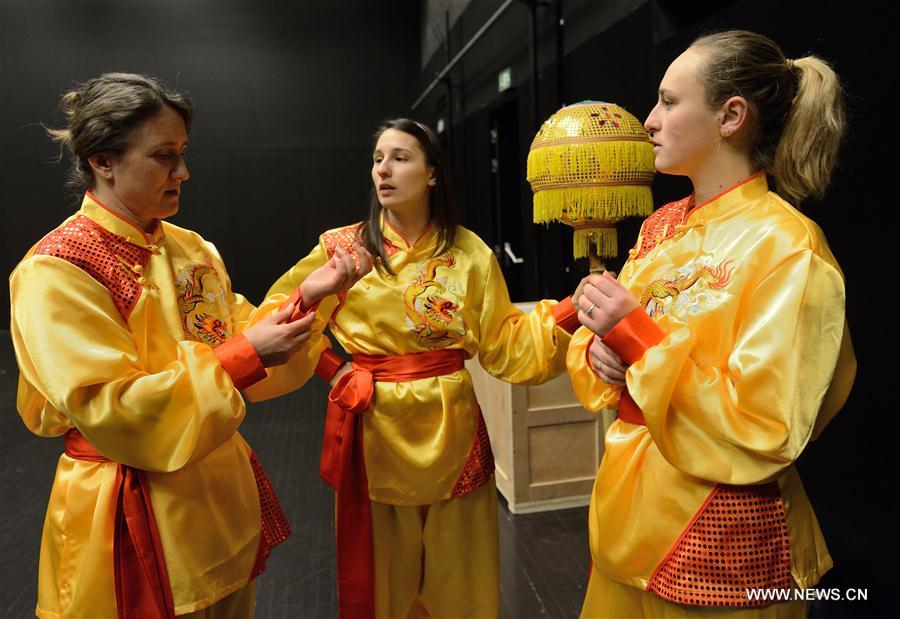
[[590, 166]]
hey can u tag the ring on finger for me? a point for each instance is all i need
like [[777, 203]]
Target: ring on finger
[[589, 310]]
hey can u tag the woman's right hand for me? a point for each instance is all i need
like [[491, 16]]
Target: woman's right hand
[[609, 366], [580, 289], [276, 338]]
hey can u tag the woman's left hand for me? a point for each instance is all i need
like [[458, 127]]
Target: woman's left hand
[[336, 275], [604, 303], [609, 366]]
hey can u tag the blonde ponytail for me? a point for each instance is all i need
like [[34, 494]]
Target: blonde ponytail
[[797, 112], [807, 152]]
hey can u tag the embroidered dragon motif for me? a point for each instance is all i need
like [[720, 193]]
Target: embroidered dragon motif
[[666, 291], [210, 330], [197, 305], [430, 310], [192, 292]]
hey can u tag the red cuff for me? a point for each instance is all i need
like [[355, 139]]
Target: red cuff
[[296, 299], [633, 335], [239, 359], [329, 364], [566, 315]]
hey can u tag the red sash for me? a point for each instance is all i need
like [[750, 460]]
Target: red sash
[[629, 411], [344, 469], [142, 582]]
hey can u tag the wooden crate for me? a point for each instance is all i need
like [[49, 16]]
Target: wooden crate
[[547, 447]]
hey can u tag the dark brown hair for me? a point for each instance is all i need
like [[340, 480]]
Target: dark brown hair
[[444, 215], [796, 107], [103, 114]]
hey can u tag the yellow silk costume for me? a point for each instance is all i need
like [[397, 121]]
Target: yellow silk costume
[[753, 359], [433, 515], [418, 434], [147, 390]]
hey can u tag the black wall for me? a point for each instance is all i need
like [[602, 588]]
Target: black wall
[[618, 51], [287, 95]]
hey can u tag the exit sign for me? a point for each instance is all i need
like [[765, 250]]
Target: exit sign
[[504, 79]]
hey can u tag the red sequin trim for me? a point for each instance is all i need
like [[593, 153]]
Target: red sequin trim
[[479, 467], [345, 237], [661, 225], [110, 259], [390, 248], [739, 541], [274, 527]]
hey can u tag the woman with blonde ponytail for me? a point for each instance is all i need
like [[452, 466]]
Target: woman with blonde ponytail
[[723, 344]]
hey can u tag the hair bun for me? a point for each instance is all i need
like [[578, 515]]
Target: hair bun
[[69, 102]]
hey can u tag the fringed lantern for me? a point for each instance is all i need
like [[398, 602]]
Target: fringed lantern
[[590, 166]]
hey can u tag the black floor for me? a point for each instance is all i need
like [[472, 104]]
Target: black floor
[[544, 557]]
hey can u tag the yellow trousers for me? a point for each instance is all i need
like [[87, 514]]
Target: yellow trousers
[[439, 560], [238, 605], [608, 599]]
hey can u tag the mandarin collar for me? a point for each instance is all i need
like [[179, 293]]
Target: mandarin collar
[[429, 234], [748, 190], [118, 224]]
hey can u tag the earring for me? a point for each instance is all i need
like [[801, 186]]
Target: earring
[[725, 133]]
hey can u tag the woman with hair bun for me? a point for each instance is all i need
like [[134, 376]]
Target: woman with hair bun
[[723, 344], [132, 344]]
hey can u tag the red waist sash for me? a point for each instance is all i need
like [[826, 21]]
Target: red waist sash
[[343, 466], [629, 411], [142, 582]]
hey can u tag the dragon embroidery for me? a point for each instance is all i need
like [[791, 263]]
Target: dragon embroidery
[[210, 330], [198, 305], [432, 309], [665, 292]]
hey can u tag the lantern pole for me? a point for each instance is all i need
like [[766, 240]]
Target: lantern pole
[[597, 264]]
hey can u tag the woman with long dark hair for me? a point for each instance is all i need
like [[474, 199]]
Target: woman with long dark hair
[[723, 344], [405, 443]]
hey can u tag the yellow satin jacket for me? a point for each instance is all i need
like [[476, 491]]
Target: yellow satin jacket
[[131, 365], [419, 434], [753, 359]]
